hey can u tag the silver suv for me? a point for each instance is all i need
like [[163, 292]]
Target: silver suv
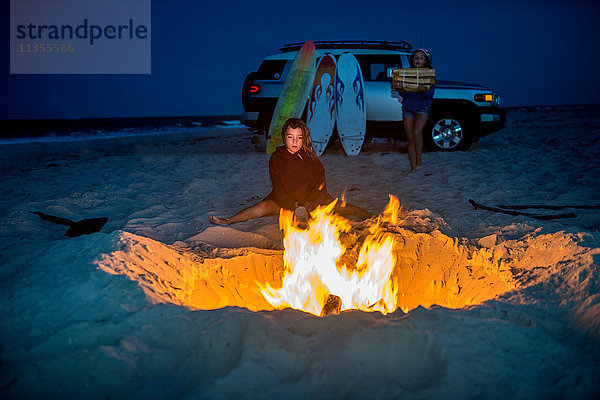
[[460, 113]]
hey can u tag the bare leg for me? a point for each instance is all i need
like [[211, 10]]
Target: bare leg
[[408, 129], [351, 209], [418, 125], [260, 209]]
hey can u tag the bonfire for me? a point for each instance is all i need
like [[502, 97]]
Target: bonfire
[[326, 264]]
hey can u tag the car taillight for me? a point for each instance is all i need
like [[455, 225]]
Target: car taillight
[[485, 97], [254, 89]]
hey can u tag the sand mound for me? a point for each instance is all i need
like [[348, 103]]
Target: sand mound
[[431, 269]]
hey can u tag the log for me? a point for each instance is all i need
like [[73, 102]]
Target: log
[[415, 81], [414, 72], [412, 78], [411, 87], [548, 207], [512, 212], [332, 306]]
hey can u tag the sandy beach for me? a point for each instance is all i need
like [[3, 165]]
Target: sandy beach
[[498, 305]]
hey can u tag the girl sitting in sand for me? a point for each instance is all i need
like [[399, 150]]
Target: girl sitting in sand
[[298, 179], [415, 109]]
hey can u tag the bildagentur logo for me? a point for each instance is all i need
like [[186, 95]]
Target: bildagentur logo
[[93, 32], [80, 37]]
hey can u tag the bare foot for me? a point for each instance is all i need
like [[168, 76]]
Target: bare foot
[[218, 221], [301, 213]]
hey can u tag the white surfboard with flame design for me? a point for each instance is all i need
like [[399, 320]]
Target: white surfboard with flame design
[[321, 105], [350, 104]]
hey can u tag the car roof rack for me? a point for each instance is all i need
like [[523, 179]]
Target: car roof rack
[[351, 44]]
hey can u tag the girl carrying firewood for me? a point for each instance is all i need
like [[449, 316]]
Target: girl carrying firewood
[[415, 109]]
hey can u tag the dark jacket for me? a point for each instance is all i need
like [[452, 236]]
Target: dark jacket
[[297, 179]]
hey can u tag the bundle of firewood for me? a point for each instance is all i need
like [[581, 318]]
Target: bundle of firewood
[[412, 78]]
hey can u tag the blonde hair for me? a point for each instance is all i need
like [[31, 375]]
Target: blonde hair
[[295, 123]]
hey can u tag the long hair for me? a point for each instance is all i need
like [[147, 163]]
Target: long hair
[[427, 58], [294, 123]]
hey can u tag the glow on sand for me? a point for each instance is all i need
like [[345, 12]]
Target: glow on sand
[[398, 259]]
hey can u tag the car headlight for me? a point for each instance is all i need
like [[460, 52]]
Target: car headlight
[[484, 97]]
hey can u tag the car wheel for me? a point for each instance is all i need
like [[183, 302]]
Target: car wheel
[[447, 133]]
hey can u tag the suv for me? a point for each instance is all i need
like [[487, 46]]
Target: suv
[[460, 113]]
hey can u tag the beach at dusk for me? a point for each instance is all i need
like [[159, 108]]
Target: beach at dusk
[[228, 200], [495, 305]]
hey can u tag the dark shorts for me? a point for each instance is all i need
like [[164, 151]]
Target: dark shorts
[[407, 113]]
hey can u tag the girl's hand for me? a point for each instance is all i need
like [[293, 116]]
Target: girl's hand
[[398, 86], [422, 88]]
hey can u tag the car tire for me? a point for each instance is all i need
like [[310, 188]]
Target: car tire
[[447, 132]]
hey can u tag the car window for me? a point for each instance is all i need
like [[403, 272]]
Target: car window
[[405, 62], [374, 67], [270, 69]]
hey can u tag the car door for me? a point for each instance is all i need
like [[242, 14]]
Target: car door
[[383, 104]]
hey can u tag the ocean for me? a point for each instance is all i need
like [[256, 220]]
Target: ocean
[[65, 130]]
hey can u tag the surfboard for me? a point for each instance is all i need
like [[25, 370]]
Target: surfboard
[[320, 117], [294, 93], [350, 104]]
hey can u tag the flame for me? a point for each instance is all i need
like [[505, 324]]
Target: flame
[[315, 263]]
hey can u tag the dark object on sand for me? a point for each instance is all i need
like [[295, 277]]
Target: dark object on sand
[[530, 215], [83, 227], [547, 207], [333, 306]]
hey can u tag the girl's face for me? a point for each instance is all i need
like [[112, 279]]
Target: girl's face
[[293, 140], [419, 59]]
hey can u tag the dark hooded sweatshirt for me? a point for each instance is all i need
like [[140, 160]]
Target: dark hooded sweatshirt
[[298, 180]]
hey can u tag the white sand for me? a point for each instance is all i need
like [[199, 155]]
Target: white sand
[[115, 314]]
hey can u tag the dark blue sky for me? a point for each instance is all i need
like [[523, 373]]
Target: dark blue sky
[[532, 52]]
